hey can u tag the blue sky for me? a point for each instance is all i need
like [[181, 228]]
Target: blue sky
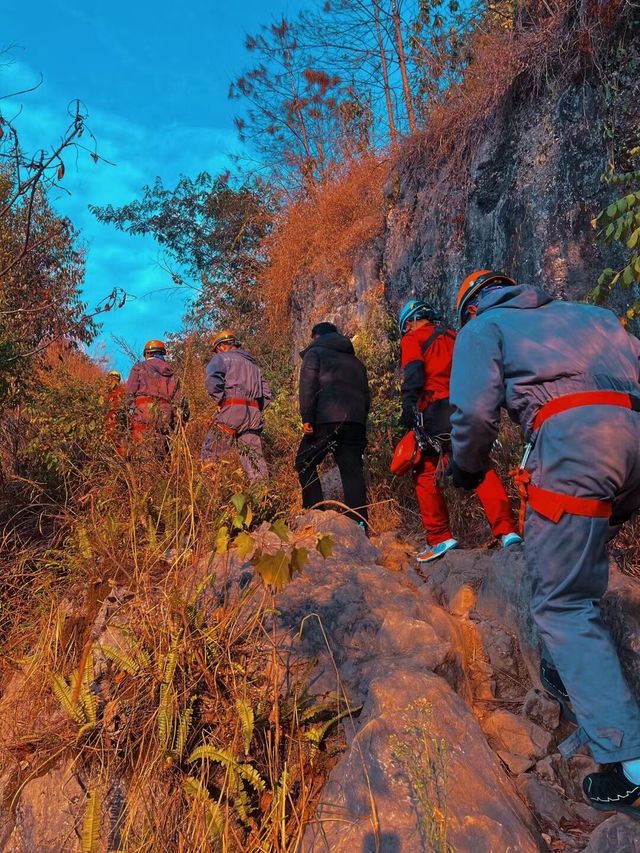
[[154, 77]]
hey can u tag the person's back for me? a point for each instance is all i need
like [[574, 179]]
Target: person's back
[[333, 382], [154, 391], [334, 405], [234, 381], [546, 348]]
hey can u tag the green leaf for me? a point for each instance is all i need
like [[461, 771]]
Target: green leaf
[[612, 210], [239, 502], [632, 242], [299, 559], [238, 522], [627, 276], [244, 545], [325, 546], [274, 569], [281, 530]]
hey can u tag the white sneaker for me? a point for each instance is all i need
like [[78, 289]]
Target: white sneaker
[[436, 551], [510, 539]]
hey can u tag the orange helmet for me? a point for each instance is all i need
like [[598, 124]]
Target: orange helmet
[[154, 346], [226, 336], [473, 284]]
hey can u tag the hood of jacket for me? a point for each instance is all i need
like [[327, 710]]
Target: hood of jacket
[[158, 365], [521, 296], [332, 340]]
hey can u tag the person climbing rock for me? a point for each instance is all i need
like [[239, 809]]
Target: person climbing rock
[[156, 400], [114, 403], [334, 404], [426, 354], [235, 382], [568, 374]]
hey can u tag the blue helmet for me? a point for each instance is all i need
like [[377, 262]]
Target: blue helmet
[[416, 309]]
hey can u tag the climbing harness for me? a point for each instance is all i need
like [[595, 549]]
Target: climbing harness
[[550, 504], [237, 401]]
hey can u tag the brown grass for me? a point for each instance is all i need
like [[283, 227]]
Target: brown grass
[[320, 237]]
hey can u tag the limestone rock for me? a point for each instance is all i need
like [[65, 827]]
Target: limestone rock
[[618, 834], [47, 815], [544, 800], [542, 709], [418, 756], [517, 735], [517, 764]]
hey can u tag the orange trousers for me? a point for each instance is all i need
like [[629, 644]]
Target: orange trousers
[[433, 507]]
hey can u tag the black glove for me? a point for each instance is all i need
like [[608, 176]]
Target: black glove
[[465, 479], [408, 419]]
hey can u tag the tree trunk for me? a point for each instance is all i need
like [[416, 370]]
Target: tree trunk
[[411, 116], [385, 76]]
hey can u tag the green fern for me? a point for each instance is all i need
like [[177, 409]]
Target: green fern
[[247, 720], [317, 734], [62, 691], [195, 790], [122, 658], [184, 727], [90, 836], [165, 715]]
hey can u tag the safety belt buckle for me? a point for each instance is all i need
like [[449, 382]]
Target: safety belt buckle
[[525, 456]]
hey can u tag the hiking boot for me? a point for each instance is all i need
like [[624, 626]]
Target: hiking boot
[[510, 539], [610, 790], [434, 552], [553, 684]]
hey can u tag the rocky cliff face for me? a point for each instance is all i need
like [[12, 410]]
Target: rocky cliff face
[[525, 206]]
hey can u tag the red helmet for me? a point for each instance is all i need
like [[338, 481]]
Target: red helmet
[[472, 285], [154, 346]]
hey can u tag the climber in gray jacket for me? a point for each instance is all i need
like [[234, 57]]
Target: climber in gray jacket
[[235, 382], [568, 374]]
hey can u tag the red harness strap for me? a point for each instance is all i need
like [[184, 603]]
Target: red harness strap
[[553, 505], [237, 401], [584, 398]]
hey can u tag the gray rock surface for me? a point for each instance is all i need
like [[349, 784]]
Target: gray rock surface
[[48, 815], [618, 834]]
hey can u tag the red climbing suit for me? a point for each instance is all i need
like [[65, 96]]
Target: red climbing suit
[[114, 402], [426, 356]]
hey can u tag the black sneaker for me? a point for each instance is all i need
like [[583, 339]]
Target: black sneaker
[[552, 683], [611, 791]]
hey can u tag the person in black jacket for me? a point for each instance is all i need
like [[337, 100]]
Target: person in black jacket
[[334, 404]]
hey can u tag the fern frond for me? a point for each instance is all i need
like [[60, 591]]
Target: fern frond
[[88, 701], [210, 753], [62, 692], [90, 836], [251, 775], [194, 788], [183, 730], [165, 715], [247, 720], [122, 658], [171, 660]]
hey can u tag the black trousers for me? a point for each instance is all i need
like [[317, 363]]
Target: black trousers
[[347, 442]]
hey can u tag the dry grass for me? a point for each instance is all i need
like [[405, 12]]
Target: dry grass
[[320, 236], [182, 716]]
